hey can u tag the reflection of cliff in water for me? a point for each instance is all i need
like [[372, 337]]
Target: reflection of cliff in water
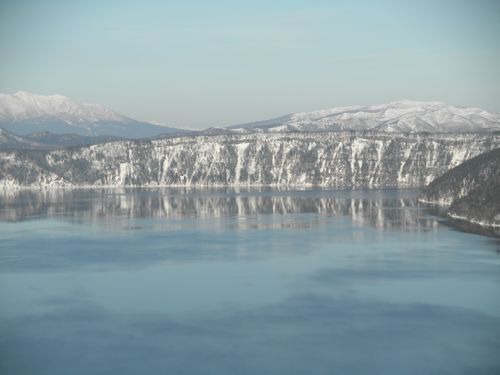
[[375, 208]]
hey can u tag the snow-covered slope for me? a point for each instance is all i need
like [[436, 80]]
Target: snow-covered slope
[[24, 113], [400, 116], [472, 189], [337, 159]]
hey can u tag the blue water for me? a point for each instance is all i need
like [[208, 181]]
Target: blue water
[[250, 282]]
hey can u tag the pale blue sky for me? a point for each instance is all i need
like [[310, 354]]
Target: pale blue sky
[[213, 63]]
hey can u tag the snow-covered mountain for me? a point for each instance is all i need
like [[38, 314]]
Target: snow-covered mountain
[[24, 113], [399, 116]]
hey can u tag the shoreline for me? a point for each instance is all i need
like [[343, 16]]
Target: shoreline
[[458, 218]]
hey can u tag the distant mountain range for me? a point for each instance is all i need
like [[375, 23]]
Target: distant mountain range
[[24, 113], [10, 141], [32, 121], [399, 117], [49, 141]]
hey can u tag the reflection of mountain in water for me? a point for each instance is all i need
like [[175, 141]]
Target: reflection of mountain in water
[[379, 209]]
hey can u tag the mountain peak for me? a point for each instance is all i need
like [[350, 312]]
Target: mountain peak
[[414, 103], [25, 112], [23, 94], [26, 106]]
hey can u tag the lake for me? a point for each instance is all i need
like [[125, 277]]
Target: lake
[[257, 281]]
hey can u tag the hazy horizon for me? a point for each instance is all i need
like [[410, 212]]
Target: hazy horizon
[[196, 64]]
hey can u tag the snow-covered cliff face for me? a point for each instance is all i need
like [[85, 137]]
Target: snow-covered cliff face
[[320, 159]]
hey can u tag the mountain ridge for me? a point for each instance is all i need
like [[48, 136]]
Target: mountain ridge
[[397, 116], [23, 113]]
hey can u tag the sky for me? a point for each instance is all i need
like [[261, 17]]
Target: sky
[[196, 64]]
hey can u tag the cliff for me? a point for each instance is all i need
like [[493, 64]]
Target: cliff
[[334, 159]]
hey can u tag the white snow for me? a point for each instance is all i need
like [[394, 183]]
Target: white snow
[[25, 106], [253, 160], [398, 116], [474, 221]]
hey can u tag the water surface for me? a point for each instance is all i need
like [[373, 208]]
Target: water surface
[[242, 282]]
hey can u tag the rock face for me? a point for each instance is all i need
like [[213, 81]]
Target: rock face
[[345, 159], [471, 190]]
